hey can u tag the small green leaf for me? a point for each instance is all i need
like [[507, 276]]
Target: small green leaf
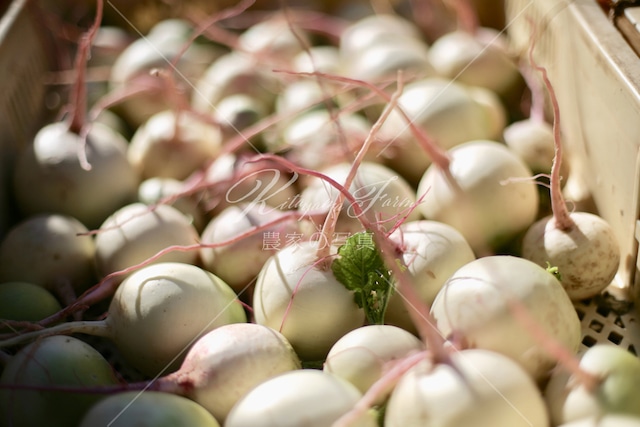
[[554, 271], [360, 269]]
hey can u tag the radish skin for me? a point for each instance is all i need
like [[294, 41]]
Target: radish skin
[[226, 363], [304, 397], [490, 390], [478, 303], [305, 303]]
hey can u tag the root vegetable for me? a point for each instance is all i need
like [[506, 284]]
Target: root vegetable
[[606, 421], [304, 397], [49, 250], [362, 355], [226, 363], [182, 300], [147, 409], [50, 362], [25, 301], [478, 304], [481, 203], [136, 232], [618, 374], [489, 389], [432, 251], [173, 145], [304, 302]]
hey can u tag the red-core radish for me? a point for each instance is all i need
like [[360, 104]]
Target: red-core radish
[[24, 301], [74, 167], [491, 198], [304, 302], [306, 397], [362, 355], [581, 245], [147, 409], [163, 43], [478, 304], [379, 191], [173, 144], [136, 232], [447, 111], [157, 190], [226, 363], [481, 59], [50, 362], [489, 389], [432, 251], [182, 300], [239, 263], [617, 374], [49, 250]]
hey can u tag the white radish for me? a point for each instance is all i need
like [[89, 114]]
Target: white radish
[[170, 191], [173, 144], [581, 245], [275, 39], [605, 421], [147, 409], [362, 355], [55, 361], [304, 397], [226, 363], [432, 251], [136, 232], [490, 198], [532, 140], [182, 300], [49, 250], [379, 191], [49, 176], [485, 389], [478, 59], [447, 111], [239, 263], [304, 302], [617, 374], [480, 304]]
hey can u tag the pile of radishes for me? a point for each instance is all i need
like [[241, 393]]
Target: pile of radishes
[[296, 218]]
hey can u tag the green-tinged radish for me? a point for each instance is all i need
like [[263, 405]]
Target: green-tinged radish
[[379, 191], [362, 355], [478, 59], [239, 263], [51, 251], [608, 420], [447, 111], [226, 363], [24, 301], [479, 304], [157, 190], [488, 389], [432, 251], [136, 232], [617, 374], [147, 409], [50, 177], [50, 362], [303, 301], [491, 199], [173, 144], [306, 397], [163, 44], [182, 300], [581, 245]]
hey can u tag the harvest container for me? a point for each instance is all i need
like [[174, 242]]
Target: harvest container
[[593, 67]]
